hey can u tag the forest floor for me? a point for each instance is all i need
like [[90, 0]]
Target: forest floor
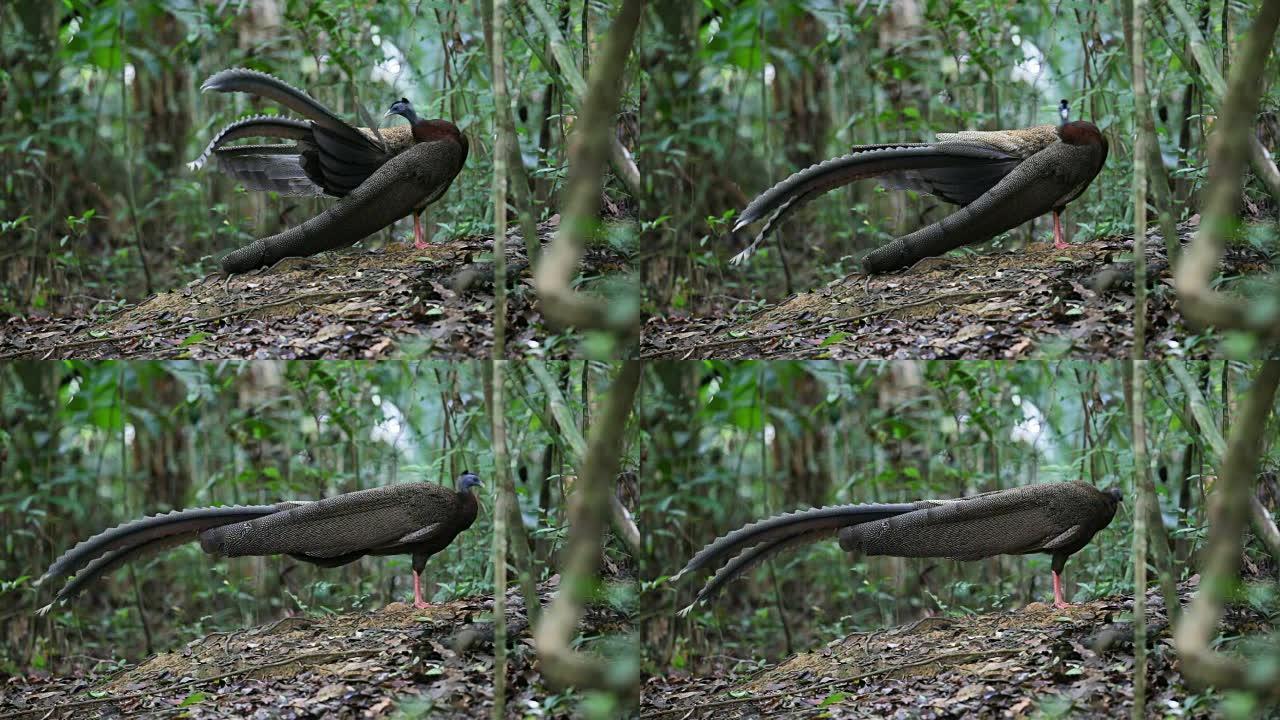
[[393, 662], [353, 303], [1035, 662], [1028, 302]]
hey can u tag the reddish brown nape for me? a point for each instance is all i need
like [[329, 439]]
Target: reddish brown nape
[[427, 130], [1081, 132]]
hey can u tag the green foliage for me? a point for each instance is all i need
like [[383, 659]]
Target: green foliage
[[763, 89], [103, 109], [85, 446], [735, 442]]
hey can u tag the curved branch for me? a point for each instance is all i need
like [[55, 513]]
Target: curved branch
[[552, 278], [1199, 624], [561, 664], [1199, 264]]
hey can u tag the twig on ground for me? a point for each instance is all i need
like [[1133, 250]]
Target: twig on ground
[[270, 629], [941, 620]]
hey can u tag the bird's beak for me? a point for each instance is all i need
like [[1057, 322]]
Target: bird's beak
[[387, 114]]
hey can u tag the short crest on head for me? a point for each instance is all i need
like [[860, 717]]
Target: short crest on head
[[401, 107]]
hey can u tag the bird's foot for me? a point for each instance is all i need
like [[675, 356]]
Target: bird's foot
[[1059, 600], [1059, 237], [418, 602], [419, 233]]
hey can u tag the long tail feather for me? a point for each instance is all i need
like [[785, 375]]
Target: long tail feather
[[832, 517], [257, 126], [749, 558], [866, 161], [111, 547], [264, 85], [783, 210], [107, 563], [863, 162]]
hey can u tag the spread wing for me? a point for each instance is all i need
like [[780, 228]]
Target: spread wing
[[405, 182], [332, 155]]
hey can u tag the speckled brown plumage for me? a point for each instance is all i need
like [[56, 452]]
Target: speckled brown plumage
[[330, 157], [999, 178], [418, 519], [1022, 143], [1054, 518]]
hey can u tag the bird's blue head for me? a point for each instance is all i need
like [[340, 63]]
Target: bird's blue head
[[467, 480], [1064, 111], [403, 108]]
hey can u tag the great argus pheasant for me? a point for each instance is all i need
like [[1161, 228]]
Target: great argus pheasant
[[417, 519], [380, 175], [999, 178], [1054, 518]]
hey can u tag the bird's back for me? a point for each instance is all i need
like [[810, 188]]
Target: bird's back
[[351, 522], [1022, 142]]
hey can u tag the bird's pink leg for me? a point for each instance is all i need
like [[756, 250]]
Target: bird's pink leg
[[419, 242], [417, 591], [1058, 602], [1059, 242]]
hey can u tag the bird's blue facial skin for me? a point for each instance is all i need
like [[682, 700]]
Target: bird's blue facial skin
[[469, 480], [400, 107]]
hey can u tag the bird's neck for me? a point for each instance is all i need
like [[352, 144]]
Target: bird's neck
[[468, 504], [1081, 132], [428, 130]]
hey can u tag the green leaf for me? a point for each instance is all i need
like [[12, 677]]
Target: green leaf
[[193, 698], [832, 699], [194, 338], [834, 338]]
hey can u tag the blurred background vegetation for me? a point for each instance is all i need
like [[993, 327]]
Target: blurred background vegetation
[[730, 443], [102, 108], [85, 446], [746, 92]]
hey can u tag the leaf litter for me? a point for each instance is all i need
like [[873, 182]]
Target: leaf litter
[[1034, 662], [1029, 302], [354, 303], [437, 661]]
